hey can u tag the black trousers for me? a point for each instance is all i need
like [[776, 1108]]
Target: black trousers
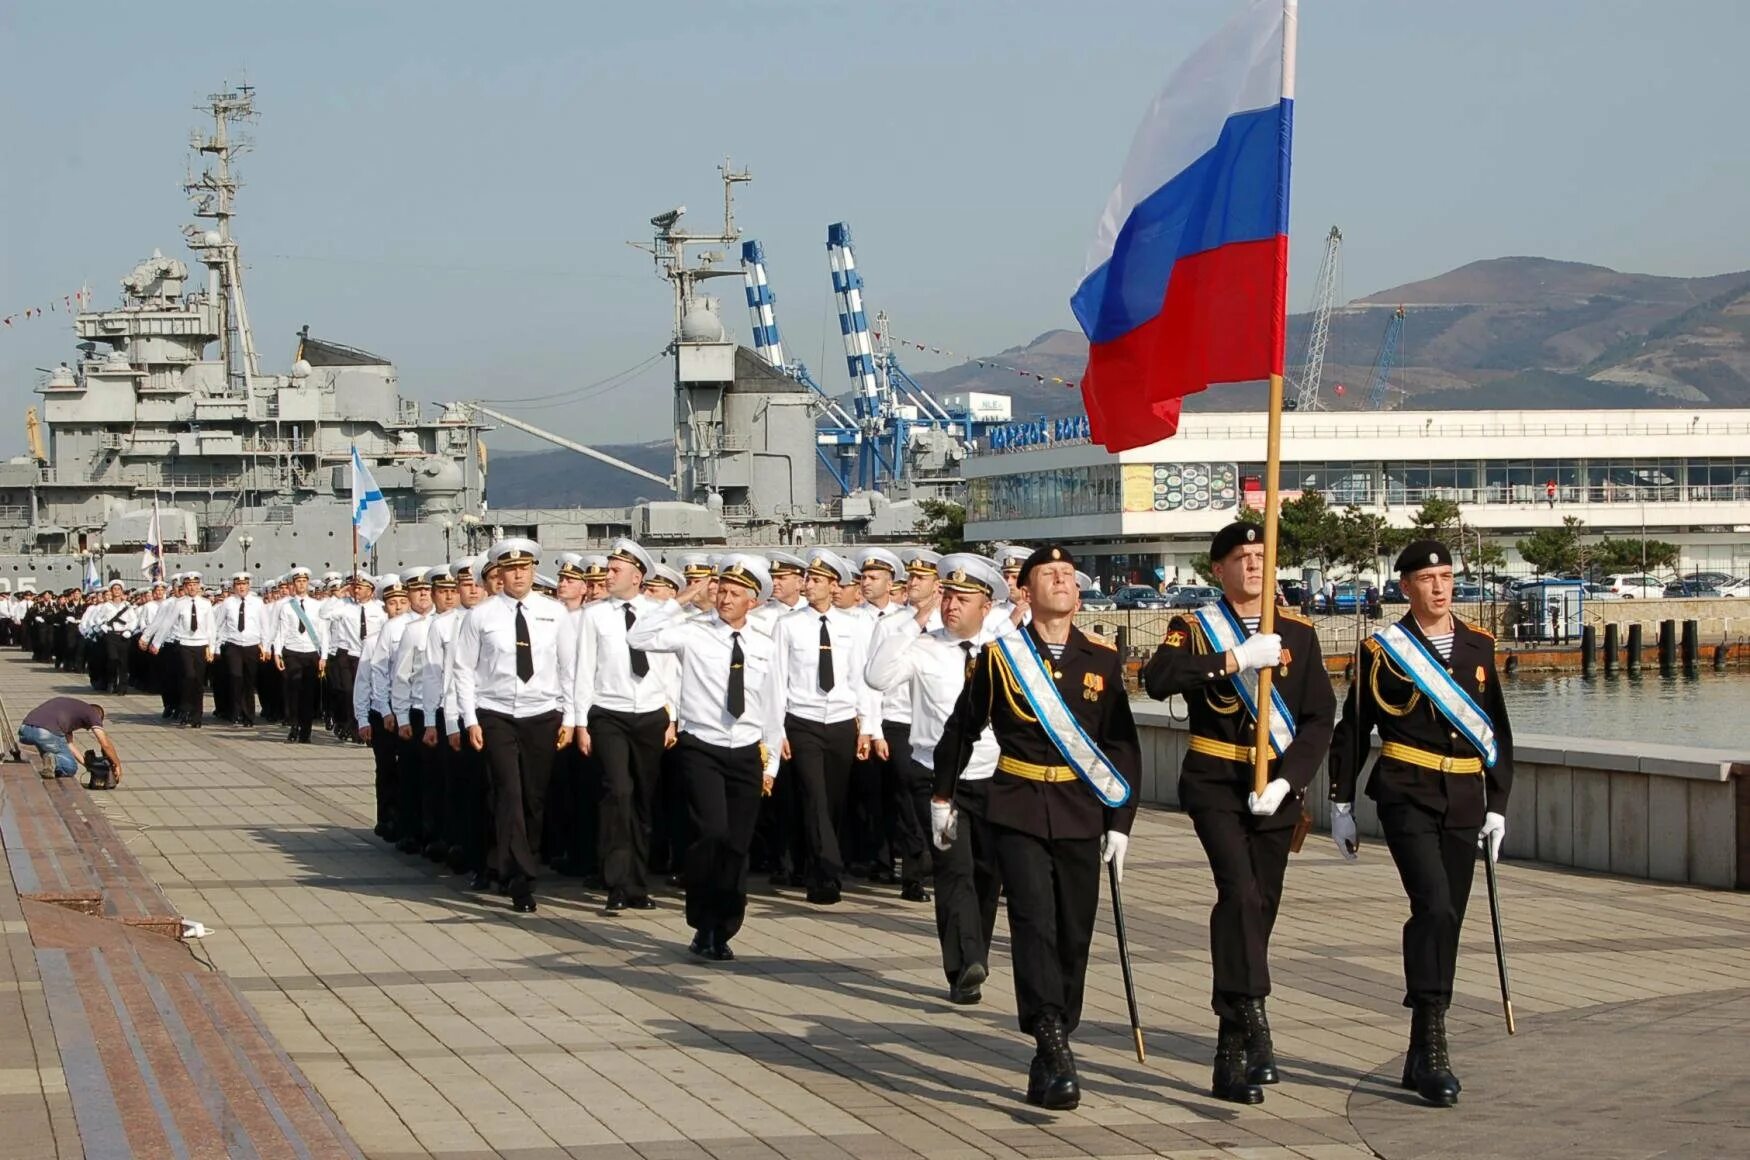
[[411, 779], [97, 661], [908, 796], [343, 670], [242, 662], [471, 828], [723, 800], [301, 689], [117, 650], [1436, 863], [519, 758], [1248, 865], [821, 757], [167, 671], [1053, 888], [434, 803], [383, 745], [271, 691], [192, 682], [968, 880], [568, 817], [629, 748], [778, 843]]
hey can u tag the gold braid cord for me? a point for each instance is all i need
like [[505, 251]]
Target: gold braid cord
[[1011, 686]]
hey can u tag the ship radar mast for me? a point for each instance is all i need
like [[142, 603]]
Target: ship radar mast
[[214, 194]]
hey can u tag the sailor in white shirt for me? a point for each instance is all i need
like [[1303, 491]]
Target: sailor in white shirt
[[624, 698], [368, 708], [299, 642], [441, 795], [880, 808], [242, 619], [476, 830], [515, 669], [932, 664], [1008, 558], [417, 784], [823, 715], [352, 623], [727, 680], [698, 566], [187, 627], [112, 626], [787, 573], [663, 583]]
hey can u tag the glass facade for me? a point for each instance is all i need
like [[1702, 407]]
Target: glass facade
[[1098, 490]]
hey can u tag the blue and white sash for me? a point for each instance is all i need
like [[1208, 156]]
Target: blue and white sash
[[1078, 749], [1226, 633], [1438, 686]]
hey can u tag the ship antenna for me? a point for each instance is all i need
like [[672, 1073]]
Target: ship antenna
[[214, 194]]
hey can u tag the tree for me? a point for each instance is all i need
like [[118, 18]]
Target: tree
[[1437, 519], [1306, 529], [1554, 550], [1360, 538], [1611, 555], [944, 524], [1489, 556]]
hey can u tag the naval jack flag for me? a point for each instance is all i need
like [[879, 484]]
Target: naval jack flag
[[370, 511], [152, 559]]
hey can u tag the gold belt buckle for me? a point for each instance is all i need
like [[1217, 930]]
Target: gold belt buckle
[[1446, 764]]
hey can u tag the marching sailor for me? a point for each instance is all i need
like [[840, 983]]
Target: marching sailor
[[1211, 657], [352, 624], [370, 703], [187, 624], [726, 681], [515, 668], [878, 797], [928, 654], [624, 699], [1051, 823], [822, 712], [1428, 684], [241, 645], [414, 776], [300, 640]]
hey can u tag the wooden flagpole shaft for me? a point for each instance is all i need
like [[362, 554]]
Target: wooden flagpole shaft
[[1267, 614]]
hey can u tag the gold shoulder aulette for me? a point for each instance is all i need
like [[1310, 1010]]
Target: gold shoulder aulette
[[1373, 646], [1096, 638], [1474, 628], [1285, 614]]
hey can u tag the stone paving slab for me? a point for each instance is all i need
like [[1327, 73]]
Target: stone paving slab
[[436, 1022]]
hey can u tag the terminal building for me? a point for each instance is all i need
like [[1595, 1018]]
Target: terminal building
[[1139, 516]]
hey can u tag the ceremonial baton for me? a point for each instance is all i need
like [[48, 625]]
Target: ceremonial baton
[[1124, 961], [1500, 946]]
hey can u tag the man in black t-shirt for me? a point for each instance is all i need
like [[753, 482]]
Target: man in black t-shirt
[[50, 728]]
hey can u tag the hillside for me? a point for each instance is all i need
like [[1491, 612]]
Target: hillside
[[1507, 332], [567, 479]]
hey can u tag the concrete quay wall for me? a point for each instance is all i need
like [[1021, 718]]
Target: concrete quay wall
[[1665, 813]]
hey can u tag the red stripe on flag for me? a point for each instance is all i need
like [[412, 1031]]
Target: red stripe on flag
[[1222, 322]]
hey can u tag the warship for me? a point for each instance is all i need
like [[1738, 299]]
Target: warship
[[240, 469]]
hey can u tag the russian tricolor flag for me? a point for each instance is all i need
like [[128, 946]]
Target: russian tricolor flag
[[1187, 277]]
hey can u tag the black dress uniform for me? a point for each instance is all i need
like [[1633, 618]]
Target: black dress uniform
[[1432, 791], [1047, 825], [1248, 853]]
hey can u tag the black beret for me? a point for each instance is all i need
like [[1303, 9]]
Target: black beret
[[1049, 554], [1232, 536], [1423, 554]]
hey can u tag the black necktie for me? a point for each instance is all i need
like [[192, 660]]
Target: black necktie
[[193, 619], [361, 624], [640, 662], [736, 701], [305, 608], [966, 647], [240, 607], [525, 655], [825, 677]]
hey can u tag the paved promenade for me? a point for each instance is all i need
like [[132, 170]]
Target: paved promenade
[[436, 1022]]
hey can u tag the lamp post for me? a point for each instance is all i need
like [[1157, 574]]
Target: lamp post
[[444, 523], [245, 540]]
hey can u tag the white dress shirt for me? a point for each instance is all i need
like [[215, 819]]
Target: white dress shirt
[[896, 700], [254, 614], [343, 626], [703, 647], [765, 618], [434, 675], [116, 619], [796, 646], [932, 664], [172, 626], [292, 634], [380, 660], [485, 652], [406, 671], [604, 664]]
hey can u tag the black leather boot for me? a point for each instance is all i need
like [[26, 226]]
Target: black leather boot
[[1260, 1051], [1229, 1080], [1063, 1088], [1036, 1079], [1427, 1066]]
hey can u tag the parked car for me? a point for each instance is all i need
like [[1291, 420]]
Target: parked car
[[1467, 592], [1710, 579], [1738, 588], [1633, 585], [1393, 593], [1138, 596], [1689, 589], [1349, 596], [1096, 601], [1600, 592], [1293, 592], [1192, 596]]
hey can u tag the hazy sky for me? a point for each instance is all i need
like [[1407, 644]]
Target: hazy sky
[[452, 184]]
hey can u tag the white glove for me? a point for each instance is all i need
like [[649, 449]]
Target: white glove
[[1265, 804], [1263, 651], [943, 824], [1112, 847], [1493, 833], [1343, 830]]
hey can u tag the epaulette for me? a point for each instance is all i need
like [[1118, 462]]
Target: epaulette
[[1372, 645], [1096, 638], [1285, 614], [1474, 628]]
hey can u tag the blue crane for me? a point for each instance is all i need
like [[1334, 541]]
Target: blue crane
[[1386, 359]]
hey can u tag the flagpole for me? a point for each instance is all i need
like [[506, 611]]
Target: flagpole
[[1273, 439]]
